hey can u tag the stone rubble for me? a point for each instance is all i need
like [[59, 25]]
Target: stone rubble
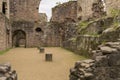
[[105, 64], [6, 73]]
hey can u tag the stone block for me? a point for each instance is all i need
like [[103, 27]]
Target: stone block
[[48, 57], [114, 60], [6, 73], [42, 50]]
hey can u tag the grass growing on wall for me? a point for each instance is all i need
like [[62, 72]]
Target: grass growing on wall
[[84, 24], [4, 51]]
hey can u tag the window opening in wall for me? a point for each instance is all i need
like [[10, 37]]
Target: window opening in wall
[[38, 30], [4, 7], [80, 9], [8, 35]]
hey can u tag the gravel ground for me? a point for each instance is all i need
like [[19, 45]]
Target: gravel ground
[[31, 65]]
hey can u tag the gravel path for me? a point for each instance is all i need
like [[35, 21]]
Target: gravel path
[[31, 65]]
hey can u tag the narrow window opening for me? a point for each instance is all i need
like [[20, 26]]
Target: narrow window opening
[[38, 30], [4, 7]]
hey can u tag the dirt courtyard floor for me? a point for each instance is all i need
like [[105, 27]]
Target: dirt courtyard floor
[[31, 65]]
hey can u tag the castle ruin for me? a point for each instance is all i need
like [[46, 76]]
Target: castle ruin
[[74, 25]]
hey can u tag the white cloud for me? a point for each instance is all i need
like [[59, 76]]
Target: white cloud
[[47, 5]]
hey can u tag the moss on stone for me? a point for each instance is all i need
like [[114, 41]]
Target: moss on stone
[[73, 39]]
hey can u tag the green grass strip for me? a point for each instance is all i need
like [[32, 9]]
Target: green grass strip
[[4, 51]]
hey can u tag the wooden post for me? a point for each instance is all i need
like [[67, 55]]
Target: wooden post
[[42, 50], [48, 57]]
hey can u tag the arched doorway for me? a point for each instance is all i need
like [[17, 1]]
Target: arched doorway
[[19, 38]]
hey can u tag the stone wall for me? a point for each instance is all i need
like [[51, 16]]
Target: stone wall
[[95, 27], [43, 18], [86, 43], [82, 44], [4, 7], [112, 5], [5, 33], [105, 64], [32, 35], [111, 34], [27, 24], [65, 11], [84, 38], [52, 35], [93, 9], [24, 10], [84, 11]]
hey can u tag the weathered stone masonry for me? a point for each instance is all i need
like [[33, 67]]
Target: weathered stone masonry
[[79, 33], [5, 33], [23, 24], [33, 31], [105, 64], [64, 12], [28, 22], [5, 26]]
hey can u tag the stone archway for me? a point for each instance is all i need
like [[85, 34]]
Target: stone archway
[[19, 38]]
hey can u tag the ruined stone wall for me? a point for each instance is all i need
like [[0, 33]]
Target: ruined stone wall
[[85, 43], [111, 34], [87, 10], [105, 64], [4, 5], [65, 11], [1, 5], [28, 22], [68, 33], [112, 5], [24, 10], [84, 9], [43, 17], [5, 33], [27, 28], [82, 44], [80, 39], [52, 35], [34, 31], [95, 27]]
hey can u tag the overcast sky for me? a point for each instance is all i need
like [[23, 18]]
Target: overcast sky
[[47, 5]]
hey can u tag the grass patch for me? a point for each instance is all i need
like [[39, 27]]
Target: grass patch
[[84, 24], [4, 51], [115, 24], [80, 56]]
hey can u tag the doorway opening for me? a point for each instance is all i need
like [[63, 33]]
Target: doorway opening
[[19, 38]]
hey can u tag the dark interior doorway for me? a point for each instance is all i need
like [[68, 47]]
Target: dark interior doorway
[[19, 38]]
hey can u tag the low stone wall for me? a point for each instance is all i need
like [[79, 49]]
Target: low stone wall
[[105, 64], [85, 43], [70, 45], [82, 44]]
